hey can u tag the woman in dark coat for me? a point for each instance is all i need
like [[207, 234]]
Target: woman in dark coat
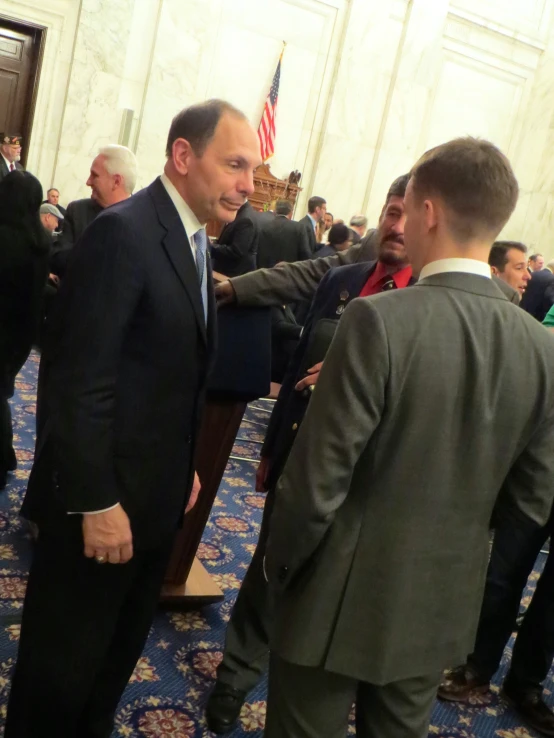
[[24, 253]]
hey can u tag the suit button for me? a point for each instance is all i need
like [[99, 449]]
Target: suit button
[[283, 571], [188, 440], [295, 427]]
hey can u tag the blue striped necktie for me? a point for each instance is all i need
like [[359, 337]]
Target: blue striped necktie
[[201, 243]]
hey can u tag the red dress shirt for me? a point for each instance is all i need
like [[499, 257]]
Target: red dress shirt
[[374, 284]]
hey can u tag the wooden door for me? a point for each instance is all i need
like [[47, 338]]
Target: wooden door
[[20, 52]]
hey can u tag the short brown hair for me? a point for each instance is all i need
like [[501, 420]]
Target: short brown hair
[[197, 124], [476, 182], [498, 256]]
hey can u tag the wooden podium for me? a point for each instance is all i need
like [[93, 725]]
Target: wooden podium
[[241, 374]]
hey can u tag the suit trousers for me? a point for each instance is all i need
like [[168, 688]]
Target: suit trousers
[[83, 630], [7, 454], [246, 653], [309, 702], [515, 549]]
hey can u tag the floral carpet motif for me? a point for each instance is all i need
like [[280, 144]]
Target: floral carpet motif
[[170, 686]]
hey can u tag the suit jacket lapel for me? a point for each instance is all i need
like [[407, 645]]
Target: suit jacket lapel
[[178, 250]]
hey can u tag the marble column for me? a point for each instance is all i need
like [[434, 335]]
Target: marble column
[[92, 116]]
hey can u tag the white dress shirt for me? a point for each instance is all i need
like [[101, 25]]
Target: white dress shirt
[[192, 225], [468, 266], [314, 222], [190, 222]]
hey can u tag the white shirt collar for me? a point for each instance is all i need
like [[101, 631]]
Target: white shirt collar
[[314, 221], [190, 222], [468, 266]]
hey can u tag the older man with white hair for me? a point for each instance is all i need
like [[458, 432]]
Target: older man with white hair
[[112, 178]]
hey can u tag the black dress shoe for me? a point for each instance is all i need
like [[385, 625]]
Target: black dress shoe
[[531, 707], [223, 708]]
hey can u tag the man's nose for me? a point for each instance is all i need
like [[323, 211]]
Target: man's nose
[[245, 184]]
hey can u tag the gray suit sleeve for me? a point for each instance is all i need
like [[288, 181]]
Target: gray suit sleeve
[[289, 282], [530, 483], [344, 411]]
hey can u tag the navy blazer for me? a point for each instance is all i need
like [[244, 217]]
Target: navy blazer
[[337, 288], [539, 294], [129, 355]]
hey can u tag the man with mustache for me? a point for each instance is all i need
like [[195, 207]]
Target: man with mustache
[[246, 650]]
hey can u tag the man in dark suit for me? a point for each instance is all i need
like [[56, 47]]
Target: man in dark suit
[[379, 537], [236, 248], [134, 338], [539, 294], [10, 153], [112, 179], [53, 198], [317, 208], [282, 239], [247, 643]]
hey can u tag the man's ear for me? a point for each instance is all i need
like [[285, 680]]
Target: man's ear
[[117, 181], [495, 271], [181, 155], [430, 214]]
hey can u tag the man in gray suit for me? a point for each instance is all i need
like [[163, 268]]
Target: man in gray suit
[[379, 540]]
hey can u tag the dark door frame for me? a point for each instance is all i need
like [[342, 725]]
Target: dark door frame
[[39, 33]]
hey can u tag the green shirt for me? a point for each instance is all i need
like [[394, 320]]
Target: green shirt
[[549, 319]]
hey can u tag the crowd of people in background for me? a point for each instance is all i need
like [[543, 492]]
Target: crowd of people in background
[[117, 331]]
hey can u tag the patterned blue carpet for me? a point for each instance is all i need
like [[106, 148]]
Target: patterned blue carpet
[[168, 691]]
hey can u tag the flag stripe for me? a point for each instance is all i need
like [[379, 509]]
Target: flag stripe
[[267, 128]]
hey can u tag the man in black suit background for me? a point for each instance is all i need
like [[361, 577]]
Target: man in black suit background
[[112, 179], [281, 238], [236, 248], [53, 198], [10, 153], [134, 337], [317, 207], [538, 297]]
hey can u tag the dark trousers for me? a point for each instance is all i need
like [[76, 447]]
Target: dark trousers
[[246, 653], [307, 702], [7, 454], [84, 627], [515, 549]]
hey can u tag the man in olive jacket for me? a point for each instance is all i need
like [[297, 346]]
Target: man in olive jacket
[[379, 539]]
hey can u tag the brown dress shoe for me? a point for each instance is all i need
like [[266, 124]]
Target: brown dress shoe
[[460, 684], [531, 707]]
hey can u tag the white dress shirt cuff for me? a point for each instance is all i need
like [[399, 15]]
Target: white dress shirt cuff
[[94, 512]]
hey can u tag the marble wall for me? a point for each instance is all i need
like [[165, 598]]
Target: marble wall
[[366, 87]]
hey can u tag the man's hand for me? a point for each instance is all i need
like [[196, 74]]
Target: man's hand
[[54, 279], [196, 487], [107, 536], [261, 474], [225, 293], [311, 379]]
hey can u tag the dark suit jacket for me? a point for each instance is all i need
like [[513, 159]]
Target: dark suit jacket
[[538, 297], [4, 171], [129, 355], [379, 538], [281, 240], [236, 248], [23, 273], [79, 215], [306, 223], [291, 405]]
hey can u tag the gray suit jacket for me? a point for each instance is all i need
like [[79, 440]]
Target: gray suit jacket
[[427, 417], [299, 281]]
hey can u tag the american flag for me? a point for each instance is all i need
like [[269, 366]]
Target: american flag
[[266, 129]]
